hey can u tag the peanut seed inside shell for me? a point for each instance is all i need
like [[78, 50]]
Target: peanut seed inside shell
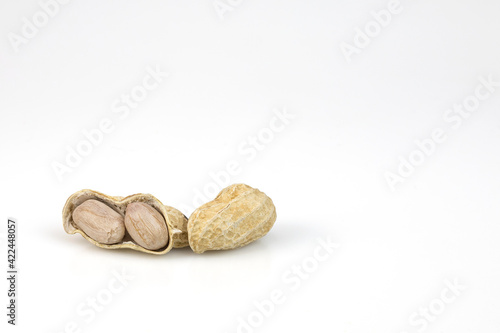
[[99, 221], [146, 226]]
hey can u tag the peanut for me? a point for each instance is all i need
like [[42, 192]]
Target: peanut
[[146, 226], [238, 216], [174, 236], [99, 221]]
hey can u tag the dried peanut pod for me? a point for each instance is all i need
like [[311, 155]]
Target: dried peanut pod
[[118, 205], [179, 222], [238, 216]]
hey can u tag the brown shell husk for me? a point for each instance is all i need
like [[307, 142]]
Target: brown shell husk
[[119, 204], [238, 216], [179, 221]]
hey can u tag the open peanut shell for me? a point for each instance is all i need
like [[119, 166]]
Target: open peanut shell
[[175, 220]]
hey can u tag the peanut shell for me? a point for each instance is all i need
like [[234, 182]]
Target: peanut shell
[[238, 216], [179, 222], [118, 204]]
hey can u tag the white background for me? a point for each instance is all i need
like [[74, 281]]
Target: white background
[[326, 170]]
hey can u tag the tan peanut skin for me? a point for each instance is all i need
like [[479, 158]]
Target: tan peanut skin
[[119, 205], [146, 226], [238, 216], [100, 222]]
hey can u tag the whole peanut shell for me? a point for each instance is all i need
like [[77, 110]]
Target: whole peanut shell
[[238, 216]]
